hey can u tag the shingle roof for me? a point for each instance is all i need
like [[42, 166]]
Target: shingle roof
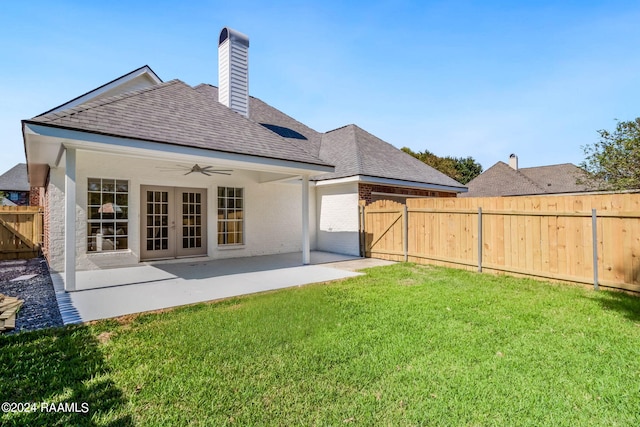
[[264, 114], [557, 178], [352, 150], [357, 152], [175, 113], [502, 180], [15, 178]]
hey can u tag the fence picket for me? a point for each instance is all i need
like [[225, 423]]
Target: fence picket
[[20, 231], [543, 236]]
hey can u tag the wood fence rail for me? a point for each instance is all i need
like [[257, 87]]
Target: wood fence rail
[[590, 239], [20, 231]]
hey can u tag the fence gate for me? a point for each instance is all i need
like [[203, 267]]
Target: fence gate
[[20, 232], [384, 230]]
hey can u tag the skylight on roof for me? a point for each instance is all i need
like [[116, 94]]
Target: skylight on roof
[[284, 132]]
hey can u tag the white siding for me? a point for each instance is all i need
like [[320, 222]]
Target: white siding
[[233, 76], [337, 216], [272, 210]]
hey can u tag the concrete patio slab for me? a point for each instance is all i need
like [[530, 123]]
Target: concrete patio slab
[[115, 292]]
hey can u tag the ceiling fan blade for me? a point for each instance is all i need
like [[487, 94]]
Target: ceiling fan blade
[[205, 173], [221, 173], [188, 172]]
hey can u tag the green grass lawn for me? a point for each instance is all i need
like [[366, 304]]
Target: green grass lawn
[[403, 345]]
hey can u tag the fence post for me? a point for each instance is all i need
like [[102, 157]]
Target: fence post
[[594, 233], [479, 240], [405, 233]]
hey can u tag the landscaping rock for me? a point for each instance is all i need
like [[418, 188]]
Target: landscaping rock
[[40, 308]]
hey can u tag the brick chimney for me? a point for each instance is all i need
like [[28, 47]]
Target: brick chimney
[[513, 161], [233, 70]]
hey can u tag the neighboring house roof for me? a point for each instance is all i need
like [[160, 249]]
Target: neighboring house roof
[[352, 150], [15, 179], [503, 180], [175, 113]]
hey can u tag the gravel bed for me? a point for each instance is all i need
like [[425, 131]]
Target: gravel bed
[[40, 308]]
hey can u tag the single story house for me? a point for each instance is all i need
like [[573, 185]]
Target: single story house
[[140, 169], [510, 180]]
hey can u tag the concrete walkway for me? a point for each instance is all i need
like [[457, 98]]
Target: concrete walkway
[[115, 292]]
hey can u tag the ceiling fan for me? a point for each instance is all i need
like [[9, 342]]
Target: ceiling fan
[[205, 170]]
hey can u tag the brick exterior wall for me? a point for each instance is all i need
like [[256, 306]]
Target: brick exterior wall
[[365, 192], [36, 196]]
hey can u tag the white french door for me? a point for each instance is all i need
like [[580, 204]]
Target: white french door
[[173, 222]]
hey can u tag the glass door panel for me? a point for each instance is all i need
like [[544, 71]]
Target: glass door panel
[[173, 222], [192, 238]]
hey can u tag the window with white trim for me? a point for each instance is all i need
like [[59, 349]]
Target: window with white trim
[[230, 216], [107, 215]]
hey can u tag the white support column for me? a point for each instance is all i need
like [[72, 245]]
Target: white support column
[[70, 220], [306, 251]]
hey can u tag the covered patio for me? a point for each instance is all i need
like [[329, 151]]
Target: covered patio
[[107, 293]]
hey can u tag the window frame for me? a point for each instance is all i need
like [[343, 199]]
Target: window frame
[[224, 208], [104, 194]]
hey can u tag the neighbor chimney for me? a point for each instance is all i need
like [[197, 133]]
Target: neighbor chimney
[[513, 161], [233, 70]]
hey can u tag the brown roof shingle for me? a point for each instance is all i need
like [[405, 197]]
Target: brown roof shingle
[[502, 180], [352, 150], [175, 113], [15, 178]]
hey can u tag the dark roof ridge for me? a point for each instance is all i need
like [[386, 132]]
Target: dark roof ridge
[[108, 100], [359, 162]]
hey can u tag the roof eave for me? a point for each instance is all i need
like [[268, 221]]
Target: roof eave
[[367, 179], [79, 139]]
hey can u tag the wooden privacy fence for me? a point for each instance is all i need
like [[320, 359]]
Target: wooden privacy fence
[[590, 239], [20, 231]]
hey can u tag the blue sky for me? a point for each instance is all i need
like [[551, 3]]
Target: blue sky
[[461, 78]]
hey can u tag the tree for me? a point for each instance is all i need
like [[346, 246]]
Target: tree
[[613, 163], [462, 169], [468, 169]]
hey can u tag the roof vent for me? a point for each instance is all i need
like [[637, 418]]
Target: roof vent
[[513, 161], [233, 70]]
